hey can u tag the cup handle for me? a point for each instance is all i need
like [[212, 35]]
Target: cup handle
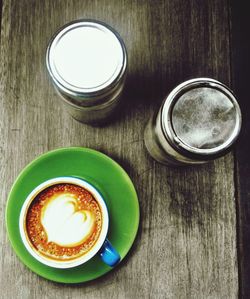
[[109, 255]]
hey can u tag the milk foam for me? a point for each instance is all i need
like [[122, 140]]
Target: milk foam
[[63, 223]]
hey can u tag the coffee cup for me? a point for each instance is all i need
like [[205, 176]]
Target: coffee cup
[[64, 223]]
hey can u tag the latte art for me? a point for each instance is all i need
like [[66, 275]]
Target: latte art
[[63, 222]]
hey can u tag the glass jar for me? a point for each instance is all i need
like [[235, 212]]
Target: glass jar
[[198, 121], [87, 63]]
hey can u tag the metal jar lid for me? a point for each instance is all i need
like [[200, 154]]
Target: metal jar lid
[[86, 59], [201, 119]]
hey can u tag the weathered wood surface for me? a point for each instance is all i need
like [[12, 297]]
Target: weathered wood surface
[[241, 73], [186, 244]]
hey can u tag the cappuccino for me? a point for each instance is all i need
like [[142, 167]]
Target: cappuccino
[[63, 222]]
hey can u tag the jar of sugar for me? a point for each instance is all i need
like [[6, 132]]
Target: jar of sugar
[[87, 63], [198, 121]]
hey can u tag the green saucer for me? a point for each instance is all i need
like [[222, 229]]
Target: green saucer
[[107, 176]]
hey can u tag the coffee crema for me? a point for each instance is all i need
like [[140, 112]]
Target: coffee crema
[[63, 222]]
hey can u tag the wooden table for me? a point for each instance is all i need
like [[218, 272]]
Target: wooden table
[[187, 241]]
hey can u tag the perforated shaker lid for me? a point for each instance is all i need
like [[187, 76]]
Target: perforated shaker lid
[[201, 118], [86, 57]]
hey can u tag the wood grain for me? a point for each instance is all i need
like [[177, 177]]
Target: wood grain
[[241, 71], [186, 245]]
